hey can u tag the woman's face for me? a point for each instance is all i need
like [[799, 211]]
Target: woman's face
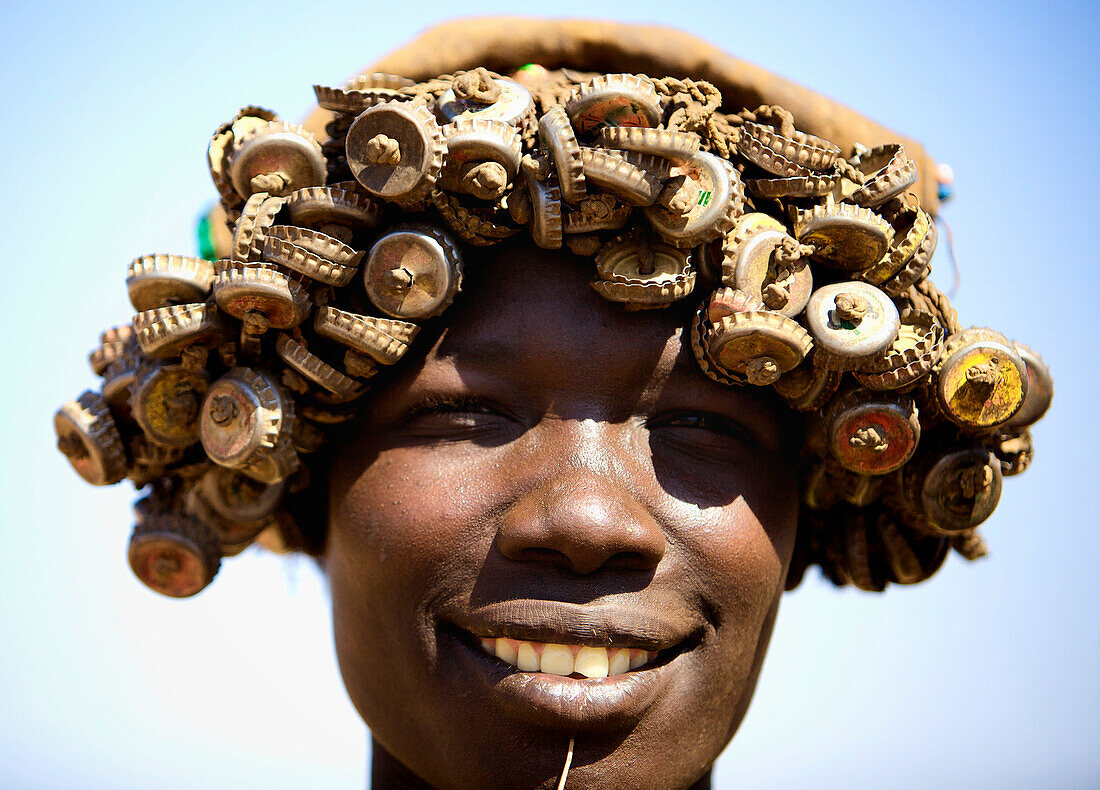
[[557, 471]]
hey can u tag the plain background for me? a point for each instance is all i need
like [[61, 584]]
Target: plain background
[[983, 677]]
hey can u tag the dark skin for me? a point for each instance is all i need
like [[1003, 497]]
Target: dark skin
[[556, 469]]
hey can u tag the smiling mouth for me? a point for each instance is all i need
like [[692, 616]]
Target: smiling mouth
[[578, 661]]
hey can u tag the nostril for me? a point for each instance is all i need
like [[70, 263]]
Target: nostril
[[582, 522]]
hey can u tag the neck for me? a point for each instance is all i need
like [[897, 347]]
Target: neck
[[389, 773]]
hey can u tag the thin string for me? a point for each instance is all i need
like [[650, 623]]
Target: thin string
[[568, 762], [956, 275]]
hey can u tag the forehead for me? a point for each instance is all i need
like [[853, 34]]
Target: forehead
[[532, 313]]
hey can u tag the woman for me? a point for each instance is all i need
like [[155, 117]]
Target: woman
[[554, 547]]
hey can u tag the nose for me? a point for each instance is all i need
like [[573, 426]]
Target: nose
[[583, 520]]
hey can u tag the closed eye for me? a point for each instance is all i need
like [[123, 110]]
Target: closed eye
[[456, 418], [716, 436]]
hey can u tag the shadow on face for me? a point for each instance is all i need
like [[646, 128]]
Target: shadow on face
[[556, 471]]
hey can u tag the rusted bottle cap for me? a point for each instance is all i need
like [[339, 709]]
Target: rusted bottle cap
[[113, 343], [320, 206], [770, 149], [476, 224], [631, 259], [719, 200], [544, 200], [280, 248], [496, 99], [808, 387], [678, 147], [162, 280], [261, 292], [652, 273], [246, 423], [912, 557], [961, 489], [220, 150], [911, 356], [596, 212], [384, 340], [872, 434], [316, 370], [150, 460], [257, 216], [727, 301], [759, 346], [1014, 450], [844, 236], [1040, 389], [915, 268], [165, 401], [912, 225], [174, 555], [413, 272], [863, 556], [276, 158], [395, 151], [237, 506], [851, 322], [482, 157], [636, 179], [808, 184], [753, 268], [889, 172], [700, 347], [981, 380], [89, 438], [557, 136], [366, 90], [614, 100], [117, 379], [165, 331]]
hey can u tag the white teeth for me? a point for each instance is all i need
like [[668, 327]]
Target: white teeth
[[564, 660], [592, 662], [506, 650], [557, 660], [527, 659], [619, 662]]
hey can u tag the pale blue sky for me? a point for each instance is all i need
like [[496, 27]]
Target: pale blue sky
[[983, 677]]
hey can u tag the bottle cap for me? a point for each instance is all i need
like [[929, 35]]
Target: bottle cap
[[162, 280], [89, 438], [174, 555], [395, 151], [512, 103], [613, 100], [246, 423], [247, 290], [276, 158], [889, 172], [872, 434], [847, 237], [165, 402], [758, 346], [961, 489], [719, 201], [413, 272], [557, 136], [851, 322], [1040, 389], [981, 380], [384, 340]]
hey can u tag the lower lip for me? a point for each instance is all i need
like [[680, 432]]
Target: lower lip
[[565, 702]]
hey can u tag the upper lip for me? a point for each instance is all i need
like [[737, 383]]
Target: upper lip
[[594, 625]]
